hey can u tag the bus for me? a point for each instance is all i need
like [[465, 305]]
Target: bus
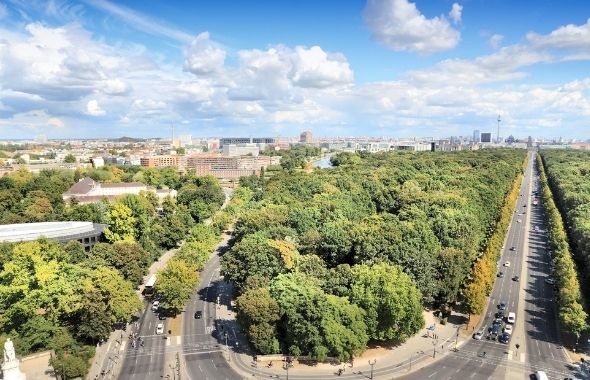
[[148, 289]]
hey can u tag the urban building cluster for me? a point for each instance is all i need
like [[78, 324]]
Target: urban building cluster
[[228, 158]]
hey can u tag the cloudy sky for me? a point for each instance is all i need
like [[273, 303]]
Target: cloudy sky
[[94, 68]]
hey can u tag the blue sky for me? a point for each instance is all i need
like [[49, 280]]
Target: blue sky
[[94, 68]]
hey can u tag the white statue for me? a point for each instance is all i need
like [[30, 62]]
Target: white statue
[[9, 354]]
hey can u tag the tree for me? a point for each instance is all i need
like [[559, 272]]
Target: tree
[[259, 313], [390, 299], [176, 284], [94, 320], [121, 223], [69, 159]]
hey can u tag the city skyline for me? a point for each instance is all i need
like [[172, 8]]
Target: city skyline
[[94, 68]]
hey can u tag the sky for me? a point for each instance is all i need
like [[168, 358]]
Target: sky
[[393, 68]]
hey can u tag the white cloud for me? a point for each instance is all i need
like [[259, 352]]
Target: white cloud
[[565, 37], [93, 108], [495, 41], [455, 13], [202, 57], [115, 87], [140, 21], [400, 26], [315, 68], [55, 122]]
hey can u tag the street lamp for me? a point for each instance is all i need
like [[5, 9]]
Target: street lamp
[[227, 347], [434, 343], [372, 364]]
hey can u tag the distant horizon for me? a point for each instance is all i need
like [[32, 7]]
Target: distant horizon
[[372, 67]]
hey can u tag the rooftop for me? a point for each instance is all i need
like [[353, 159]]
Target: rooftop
[[50, 230]]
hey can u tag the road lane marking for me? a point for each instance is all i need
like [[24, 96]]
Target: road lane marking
[[522, 357], [178, 339], [168, 341], [432, 374]]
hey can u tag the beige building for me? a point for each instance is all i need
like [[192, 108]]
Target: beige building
[[163, 161], [224, 167], [89, 191]]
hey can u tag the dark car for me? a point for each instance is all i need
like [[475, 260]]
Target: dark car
[[502, 306], [513, 248], [494, 330], [162, 315], [515, 278], [500, 274], [198, 314], [504, 338], [500, 314]]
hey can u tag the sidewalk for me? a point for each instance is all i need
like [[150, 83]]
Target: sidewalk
[[393, 361]]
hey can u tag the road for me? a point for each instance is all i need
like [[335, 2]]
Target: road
[[204, 351], [535, 330]]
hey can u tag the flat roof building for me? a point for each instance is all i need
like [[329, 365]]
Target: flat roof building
[[87, 233]]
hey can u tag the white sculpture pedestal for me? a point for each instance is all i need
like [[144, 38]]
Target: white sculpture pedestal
[[11, 370]]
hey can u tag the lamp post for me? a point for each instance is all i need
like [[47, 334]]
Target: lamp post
[[227, 347], [434, 343], [372, 364]]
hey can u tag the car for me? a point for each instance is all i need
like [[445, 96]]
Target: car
[[541, 375], [162, 315], [494, 330], [550, 281], [536, 228], [502, 306], [500, 274], [507, 264], [515, 278], [155, 305], [500, 314], [504, 338], [497, 322], [478, 335], [160, 328], [513, 249], [198, 314], [511, 317], [508, 329], [524, 205], [519, 221]]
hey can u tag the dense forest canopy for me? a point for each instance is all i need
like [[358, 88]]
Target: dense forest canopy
[[421, 220]]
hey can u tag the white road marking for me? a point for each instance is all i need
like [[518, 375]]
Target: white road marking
[[122, 347], [522, 357], [178, 339], [168, 341], [432, 374]]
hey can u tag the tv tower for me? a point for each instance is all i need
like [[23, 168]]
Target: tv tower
[[498, 135]]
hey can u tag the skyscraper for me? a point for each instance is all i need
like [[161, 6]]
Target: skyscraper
[[476, 136]]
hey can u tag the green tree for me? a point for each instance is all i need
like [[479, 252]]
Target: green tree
[[69, 159], [121, 223], [176, 284], [259, 313], [390, 299]]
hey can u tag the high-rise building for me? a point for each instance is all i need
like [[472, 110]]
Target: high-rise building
[[486, 137], [476, 136], [306, 137]]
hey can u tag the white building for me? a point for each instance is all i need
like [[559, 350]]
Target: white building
[[233, 150], [89, 191]]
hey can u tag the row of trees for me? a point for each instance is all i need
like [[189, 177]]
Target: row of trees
[[427, 216], [569, 194], [176, 283], [62, 298]]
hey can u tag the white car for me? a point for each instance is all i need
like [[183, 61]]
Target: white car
[[511, 317], [156, 305], [507, 264], [478, 335], [508, 329], [160, 328], [519, 220]]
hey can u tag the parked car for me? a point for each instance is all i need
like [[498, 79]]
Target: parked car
[[478, 335], [511, 317], [155, 305], [504, 338], [550, 281]]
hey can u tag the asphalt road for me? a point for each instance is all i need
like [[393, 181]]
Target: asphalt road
[[204, 351], [535, 330], [147, 360]]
